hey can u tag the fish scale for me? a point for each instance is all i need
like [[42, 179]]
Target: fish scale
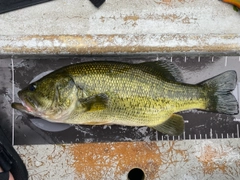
[[132, 89]]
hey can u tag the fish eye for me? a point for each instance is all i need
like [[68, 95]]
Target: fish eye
[[32, 87]]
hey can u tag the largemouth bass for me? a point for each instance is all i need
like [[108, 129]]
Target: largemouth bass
[[145, 94]]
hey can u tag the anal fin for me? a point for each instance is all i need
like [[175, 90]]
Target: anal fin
[[173, 126]]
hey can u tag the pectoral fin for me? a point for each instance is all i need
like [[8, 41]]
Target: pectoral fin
[[174, 126], [95, 103]]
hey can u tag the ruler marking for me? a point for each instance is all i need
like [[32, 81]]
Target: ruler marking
[[13, 90], [157, 135], [210, 133], [212, 58], [237, 131], [226, 60], [238, 92]]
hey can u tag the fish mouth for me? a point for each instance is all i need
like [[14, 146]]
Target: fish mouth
[[26, 105], [21, 107]]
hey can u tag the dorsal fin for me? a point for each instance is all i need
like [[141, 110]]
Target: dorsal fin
[[164, 69]]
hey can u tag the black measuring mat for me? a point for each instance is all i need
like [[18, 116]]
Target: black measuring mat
[[11, 5]]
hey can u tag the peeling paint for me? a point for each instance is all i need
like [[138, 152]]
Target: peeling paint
[[109, 44], [119, 158], [177, 160], [210, 160]]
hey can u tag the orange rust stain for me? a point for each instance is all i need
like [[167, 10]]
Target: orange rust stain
[[170, 2], [173, 155], [173, 149], [94, 161], [131, 18], [211, 159], [163, 1], [181, 18], [186, 20]]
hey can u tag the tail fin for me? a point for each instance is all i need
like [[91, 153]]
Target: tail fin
[[219, 88]]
